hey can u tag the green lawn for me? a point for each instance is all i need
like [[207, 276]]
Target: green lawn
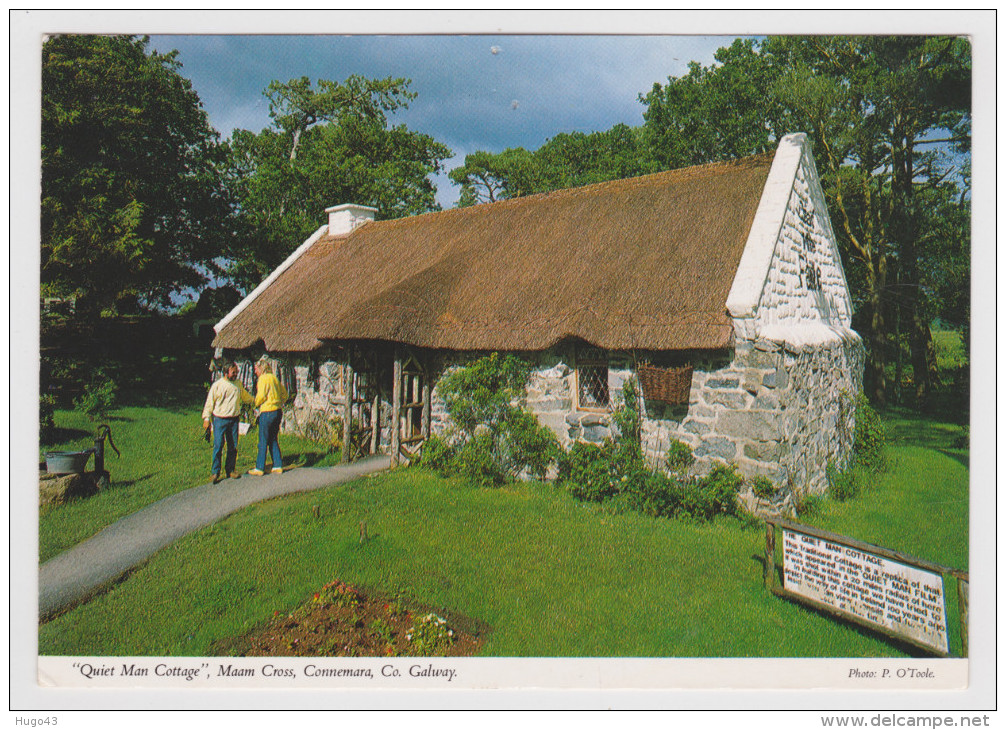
[[920, 504], [551, 576], [163, 452]]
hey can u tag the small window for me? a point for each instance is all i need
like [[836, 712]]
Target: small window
[[592, 378]]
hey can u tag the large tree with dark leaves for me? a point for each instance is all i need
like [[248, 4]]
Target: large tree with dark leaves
[[133, 207], [330, 143]]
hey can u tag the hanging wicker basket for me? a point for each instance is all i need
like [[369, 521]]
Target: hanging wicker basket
[[665, 385]]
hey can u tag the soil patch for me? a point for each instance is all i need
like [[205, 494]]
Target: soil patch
[[342, 621]]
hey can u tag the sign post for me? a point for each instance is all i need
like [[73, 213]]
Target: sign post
[[896, 594]]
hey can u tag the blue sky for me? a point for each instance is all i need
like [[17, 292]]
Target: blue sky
[[475, 92]]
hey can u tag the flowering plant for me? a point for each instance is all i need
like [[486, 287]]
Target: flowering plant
[[429, 636], [337, 593]]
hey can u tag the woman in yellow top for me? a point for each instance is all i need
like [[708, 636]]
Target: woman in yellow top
[[269, 399]]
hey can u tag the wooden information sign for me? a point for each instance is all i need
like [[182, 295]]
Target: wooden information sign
[[896, 594]]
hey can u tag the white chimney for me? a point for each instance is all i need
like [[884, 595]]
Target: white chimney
[[343, 219]]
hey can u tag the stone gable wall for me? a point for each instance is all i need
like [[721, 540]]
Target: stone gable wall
[[805, 258]]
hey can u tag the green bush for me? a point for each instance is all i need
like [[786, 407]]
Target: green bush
[[808, 504], [437, 455], [46, 418], [499, 440], [869, 453], [527, 444], [61, 377], [482, 393], [596, 473], [763, 487], [679, 457], [719, 491], [629, 422], [658, 495], [478, 462], [609, 474], [616, 474], [99, 396], [588, 471], [870, 438]]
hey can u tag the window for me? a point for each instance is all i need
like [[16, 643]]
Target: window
[[592, 378]]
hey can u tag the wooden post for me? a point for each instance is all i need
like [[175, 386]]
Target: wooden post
[[769, 555], [962, 612], [375, 424], [347, 413], [396, 411], [408, 397], [427, 401]]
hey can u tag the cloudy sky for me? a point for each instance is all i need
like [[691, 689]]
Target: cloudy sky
[[475, 92]]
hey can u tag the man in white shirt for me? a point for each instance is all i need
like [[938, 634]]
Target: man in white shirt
[[223, 406]]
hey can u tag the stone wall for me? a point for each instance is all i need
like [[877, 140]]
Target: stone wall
[[550, 396], [549, 392], [777, 410], [772, 408]]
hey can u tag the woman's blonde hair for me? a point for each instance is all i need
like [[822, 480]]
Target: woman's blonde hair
[[264, 366]]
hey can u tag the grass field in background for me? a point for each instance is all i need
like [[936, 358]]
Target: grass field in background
[[950, 351], [549, 575]]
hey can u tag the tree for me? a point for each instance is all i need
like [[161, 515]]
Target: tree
[[906, 103], [714, 113], [870, 106], [132, 201], [330, 143], [564, 161], [486, 177]]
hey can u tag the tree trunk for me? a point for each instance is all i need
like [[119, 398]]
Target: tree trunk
[[905, 233], [899, 369], [875, 336], [922, 359], [876, 364]]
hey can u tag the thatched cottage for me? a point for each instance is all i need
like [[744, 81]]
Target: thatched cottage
[[718, 286]]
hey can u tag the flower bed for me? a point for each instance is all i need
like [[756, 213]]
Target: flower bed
[[341, 621]]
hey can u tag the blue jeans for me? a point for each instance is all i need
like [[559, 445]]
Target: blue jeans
[[268, 439], [225, 430]]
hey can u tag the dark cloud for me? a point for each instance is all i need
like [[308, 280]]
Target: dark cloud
[[475, 92]]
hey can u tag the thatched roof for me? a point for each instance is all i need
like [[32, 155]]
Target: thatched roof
[[641, 263]]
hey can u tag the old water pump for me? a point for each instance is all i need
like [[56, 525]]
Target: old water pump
[[100, 475]]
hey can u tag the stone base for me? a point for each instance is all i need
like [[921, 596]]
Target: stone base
[[61, 488]]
